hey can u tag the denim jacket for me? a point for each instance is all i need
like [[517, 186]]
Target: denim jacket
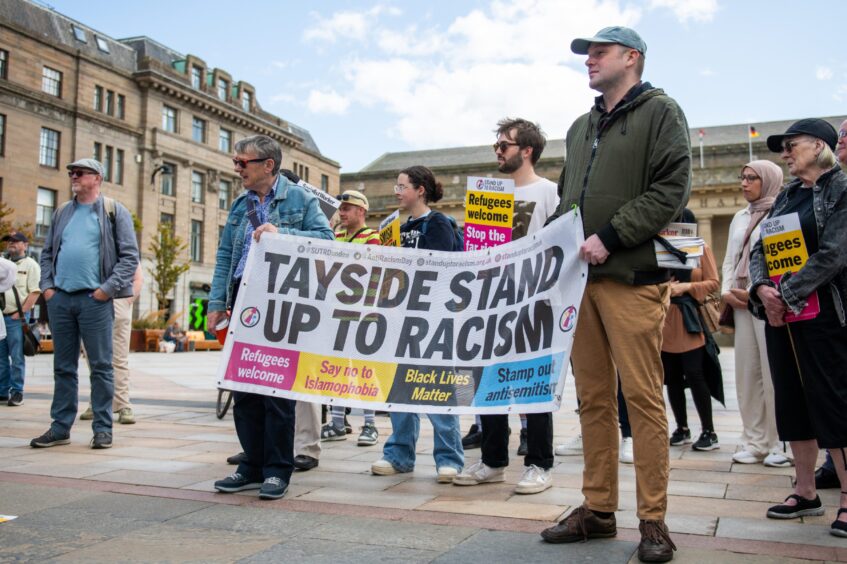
[[118, 248], [293, 211], [827, 266]]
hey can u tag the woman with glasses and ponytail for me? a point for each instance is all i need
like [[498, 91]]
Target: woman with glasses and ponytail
[[426, 228], [798, 276]]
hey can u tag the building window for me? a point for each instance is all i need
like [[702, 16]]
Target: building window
[[121, 110], [224, 194], [98, 151], [79, 34], [225, 141], [325, 183], [98, 98], [51, 82], [169, 119], [119, 166], [196, 240], [48, 154], [198, 129], [167, 218], [45, 204], [197, 181], [102, 44], [220, 233], [246, 101], [196, 77], [223, 88], [4, 62], [2, 135], [110, 102], [107, 163], [169, 179]]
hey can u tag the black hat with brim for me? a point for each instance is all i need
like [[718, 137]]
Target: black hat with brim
[[815, 127]]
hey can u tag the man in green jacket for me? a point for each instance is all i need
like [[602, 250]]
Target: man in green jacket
[[628, 172]]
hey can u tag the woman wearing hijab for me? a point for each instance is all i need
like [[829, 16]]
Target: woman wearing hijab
[[806, 310], [760, 183]]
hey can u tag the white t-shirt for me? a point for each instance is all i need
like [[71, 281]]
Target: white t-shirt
[[534, 203]]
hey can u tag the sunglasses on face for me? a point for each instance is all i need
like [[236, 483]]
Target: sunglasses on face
[[788, 146], [503, 145], [78, 173], [244, 162], [748, 177]]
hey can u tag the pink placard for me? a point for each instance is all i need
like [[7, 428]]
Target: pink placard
[[485, 236], [263, 366]]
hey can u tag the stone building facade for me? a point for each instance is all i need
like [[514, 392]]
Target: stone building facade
[[715, 193], [163, 123]]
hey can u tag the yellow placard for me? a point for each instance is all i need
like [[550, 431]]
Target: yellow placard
[[363, 380], [486, 208], [785, 252], [389, 236]]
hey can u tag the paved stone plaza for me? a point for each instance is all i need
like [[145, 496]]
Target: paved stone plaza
[[150, 497]]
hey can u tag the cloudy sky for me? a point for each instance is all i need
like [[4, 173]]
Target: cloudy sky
[[373, 77]]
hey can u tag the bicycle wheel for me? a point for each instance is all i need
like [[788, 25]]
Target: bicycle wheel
[[224, 401]]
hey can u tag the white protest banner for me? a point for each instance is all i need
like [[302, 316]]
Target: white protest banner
[[329, 204], [400, 329]]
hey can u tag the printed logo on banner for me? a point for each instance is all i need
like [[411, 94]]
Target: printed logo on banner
[[566, 322], [434, 385], [250, 316]]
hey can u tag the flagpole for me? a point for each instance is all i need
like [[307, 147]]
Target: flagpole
[[701, 134], [750, 142]]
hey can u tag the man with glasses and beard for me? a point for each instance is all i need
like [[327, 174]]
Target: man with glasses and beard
[[90, 257], [270, 203], [518, 148]]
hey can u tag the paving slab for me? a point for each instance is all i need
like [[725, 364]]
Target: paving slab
[[778, 531], [511, 508], [308, 551], [500, 546]]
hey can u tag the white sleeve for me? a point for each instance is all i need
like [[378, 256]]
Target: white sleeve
[[8, 272], [734, 245]]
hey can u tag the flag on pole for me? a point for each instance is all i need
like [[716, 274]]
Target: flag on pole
[[753, 132], [701, 134]]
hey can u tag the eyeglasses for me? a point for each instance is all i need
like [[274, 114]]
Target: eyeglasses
[[788, 146], [399, 188], [243, 162], [78, 173], [748, 177], [842, 133], [503, 145]]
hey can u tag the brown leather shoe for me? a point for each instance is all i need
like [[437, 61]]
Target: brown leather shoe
[[582, 524], [656, 545]]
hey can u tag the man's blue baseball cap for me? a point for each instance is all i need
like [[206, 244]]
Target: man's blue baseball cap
[[616, 34]]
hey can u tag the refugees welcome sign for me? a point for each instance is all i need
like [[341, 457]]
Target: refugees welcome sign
[[396, 329]]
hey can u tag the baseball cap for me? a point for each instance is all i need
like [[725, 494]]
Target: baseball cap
[[15, 236], [90, 164], [615, 34], [355, 198], [818, 128]]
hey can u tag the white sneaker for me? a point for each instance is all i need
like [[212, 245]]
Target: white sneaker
[[625, 455], [383, 468], [479, 473], [571, 447], [778, 460], [446, 474], [747, 457], [534, 480]]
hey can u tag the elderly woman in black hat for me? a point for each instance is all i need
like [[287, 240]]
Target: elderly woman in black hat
[[805, 308]]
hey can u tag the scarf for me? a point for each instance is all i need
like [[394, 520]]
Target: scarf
[[771, 176]]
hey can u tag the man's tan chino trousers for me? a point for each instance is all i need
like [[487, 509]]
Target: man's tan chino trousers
[[620, 329]]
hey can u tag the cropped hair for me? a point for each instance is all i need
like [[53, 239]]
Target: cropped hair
[[527, 134], [264, 147], [422, 176]]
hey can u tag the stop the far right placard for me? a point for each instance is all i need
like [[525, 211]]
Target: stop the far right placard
[[489, 212]]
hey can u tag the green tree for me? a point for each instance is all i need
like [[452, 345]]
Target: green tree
[[167, 267], [6, 225]]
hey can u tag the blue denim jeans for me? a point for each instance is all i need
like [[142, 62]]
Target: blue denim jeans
[[12, 350], [399, 449], [76, 318]]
